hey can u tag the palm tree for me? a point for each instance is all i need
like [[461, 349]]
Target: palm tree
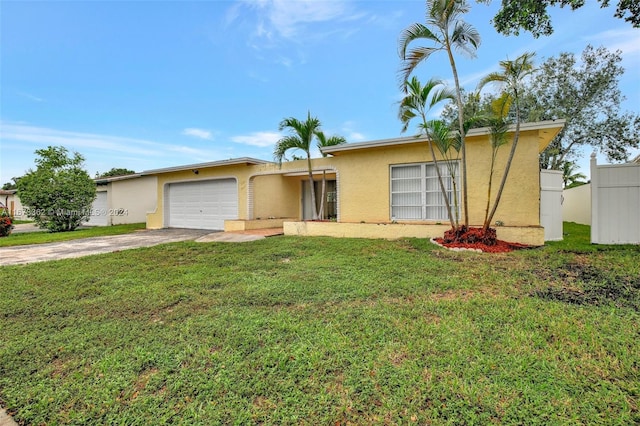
[[323, 141], [570, 174], [447, 31], [511, 78], [301, 138], [417, 103]]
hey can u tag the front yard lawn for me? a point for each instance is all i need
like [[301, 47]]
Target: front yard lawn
[[319, 331]]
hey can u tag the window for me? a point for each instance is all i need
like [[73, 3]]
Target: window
[[416, 194]]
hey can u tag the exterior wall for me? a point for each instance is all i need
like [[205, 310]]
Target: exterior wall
[[364, 193], [276, 196], [533, 235], [130, 200], [576, 206], [17, 210], [520, 202]]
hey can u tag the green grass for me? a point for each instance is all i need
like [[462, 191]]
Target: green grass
[[18, 239], [324, 331]]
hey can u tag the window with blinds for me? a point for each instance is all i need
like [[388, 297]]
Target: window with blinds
[[416, 194]]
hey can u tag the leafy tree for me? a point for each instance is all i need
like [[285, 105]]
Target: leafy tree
[[417, 103], [532, 15], [115, 171], [511, 77], [301, 138], [445, 30], [586, 94], [59, 192]]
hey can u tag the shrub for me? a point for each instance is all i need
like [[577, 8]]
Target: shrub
[[6, 223]]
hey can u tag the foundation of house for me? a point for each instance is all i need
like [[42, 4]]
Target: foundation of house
[[529, 235]]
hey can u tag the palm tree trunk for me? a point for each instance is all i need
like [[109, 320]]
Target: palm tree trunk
[[442, 188], [314, 209], [463, 148], [503, 181], [323, 196]]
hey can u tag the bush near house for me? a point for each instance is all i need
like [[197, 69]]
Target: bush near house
[[6, 221]]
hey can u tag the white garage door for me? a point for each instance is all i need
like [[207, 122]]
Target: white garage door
[[202, 204], [99, 216]]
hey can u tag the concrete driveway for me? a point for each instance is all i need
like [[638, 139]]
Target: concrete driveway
[[87, 246]]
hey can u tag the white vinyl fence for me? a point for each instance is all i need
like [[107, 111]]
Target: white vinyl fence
[[551, 204], [615, 203]]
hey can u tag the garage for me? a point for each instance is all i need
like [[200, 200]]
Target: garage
[[201, 204]]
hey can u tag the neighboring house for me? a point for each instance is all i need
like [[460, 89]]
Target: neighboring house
[[123, 199], [379, 189], [119, 200], [10, 199]]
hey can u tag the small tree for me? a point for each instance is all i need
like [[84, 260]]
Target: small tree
[[59, 193], [511, 78], [301, 138], [416, 104]]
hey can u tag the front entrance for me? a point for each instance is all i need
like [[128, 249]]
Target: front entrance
[[330, 206]]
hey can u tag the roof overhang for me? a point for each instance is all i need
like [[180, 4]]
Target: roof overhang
[[547, 130], [231, 162]]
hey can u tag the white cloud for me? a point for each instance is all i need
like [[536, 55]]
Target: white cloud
[[627, 40], [350, 134], [31, 97], [42, 136], [198, 133], [259, 139], [289, 19]]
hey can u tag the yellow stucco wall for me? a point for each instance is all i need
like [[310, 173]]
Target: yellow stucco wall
[[364, 193], [530, 235], [276, 196]]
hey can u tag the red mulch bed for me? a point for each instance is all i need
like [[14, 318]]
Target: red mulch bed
[[499, 247], [475, 238]]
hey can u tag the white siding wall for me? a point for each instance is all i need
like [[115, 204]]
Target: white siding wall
[[576, 206], [615, 203]]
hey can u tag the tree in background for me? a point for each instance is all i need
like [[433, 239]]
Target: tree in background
[[445, 30], [532, 15], [11, 185], [302, 134], [584, 92], [59, 193], [570, 175], [115, 171]]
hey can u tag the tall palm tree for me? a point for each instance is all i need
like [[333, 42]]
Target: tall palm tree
[[417, 103], [511, 78], [446, 30], [301, 138]]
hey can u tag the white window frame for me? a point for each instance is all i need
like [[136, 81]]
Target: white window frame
[[428, 186]]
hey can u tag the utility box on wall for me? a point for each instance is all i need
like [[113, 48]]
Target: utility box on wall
[[551, 204]]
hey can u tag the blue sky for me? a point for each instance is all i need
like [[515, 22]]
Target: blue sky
[[149, 84]]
